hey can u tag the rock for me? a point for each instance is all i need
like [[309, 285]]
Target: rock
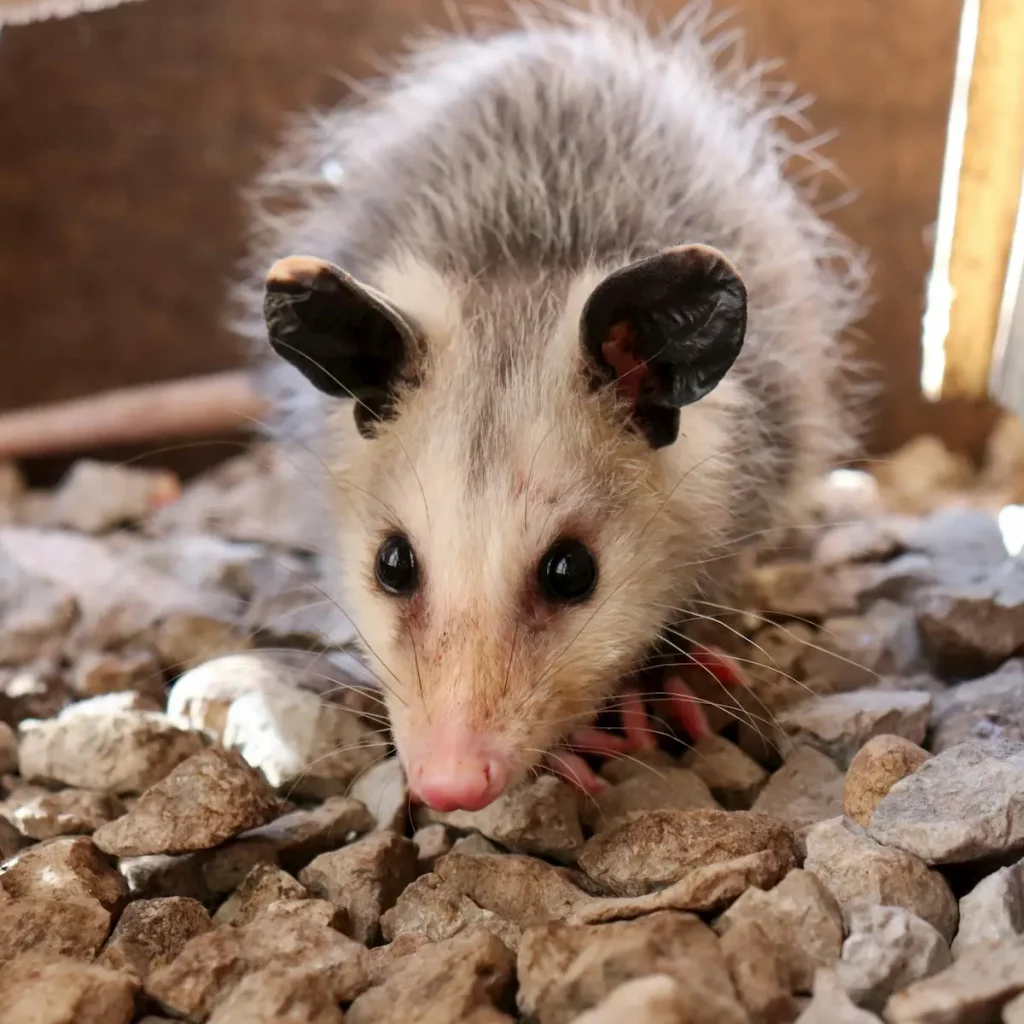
[[96, 497], [207, 875], [384, 793], [474, 844], [280, 995], [299, 836], [675, 789], [436, 910], [152, 933], [565, 970], [99, 672], [365, 879], [64, 869], [37, 989], [206, 971], [200, 697], [990, 708], [975, 988], [320, 912], [11, 840], [886, 949], [655, 999], [522, 890], [32, 691], [123, 752], [206, 563], [203, 802], [431, 842], [855, 868], [38, 924], [460, 979], [920, 475], [8, 750], [1013, 1012], [831, 1005], [977, 625], [799, 917], [645, 763], [383, 958], [540, 817], [993, 911], [800, 590], [264, 885], [733, 777], [65, 813], [298, 742], [840, 724], [36, 615], [874, 770], [658, 848], [964, 804], [854, 651], [807, 789], [187, 639], [865, 540]]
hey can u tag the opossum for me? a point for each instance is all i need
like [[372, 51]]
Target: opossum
[[563, 337]]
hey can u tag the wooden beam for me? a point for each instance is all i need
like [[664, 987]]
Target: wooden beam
[[980, 198]]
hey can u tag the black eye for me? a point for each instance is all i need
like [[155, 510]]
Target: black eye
[[567, 572], [396, 566]]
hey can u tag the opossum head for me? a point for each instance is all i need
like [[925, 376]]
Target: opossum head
[[523, 486]]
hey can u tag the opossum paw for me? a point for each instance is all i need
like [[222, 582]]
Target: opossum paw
[[718, 664], [574, 769]]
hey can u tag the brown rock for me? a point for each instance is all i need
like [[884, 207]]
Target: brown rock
[[301, 835], [383, 791], [431, 842], [675, 789], [35, 618], [565, 969], [11, 840], [33, 691], [656, 999], [802, 591], [98, 672], [540, 816], [460, 979], [69, 927], [807, 789], [867, 540], [875, 769], [382, 958], [320, 912], [840, 724], [799, 917], [474, 844], [646, 763], [264, 885], [280, 995], [204, 801], [8, 750], [436, 910], [211, 965], [733, 777], [66, 813], [38, 989], [184, 640], [152, 933], [975, 988], [365, 879], [760, 971], [854, 867], [122, 752], [661, 847], [1013, 1012], [67, 868]]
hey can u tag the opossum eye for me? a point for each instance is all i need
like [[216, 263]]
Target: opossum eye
[[396, 566], [665, 330], [568, 572]]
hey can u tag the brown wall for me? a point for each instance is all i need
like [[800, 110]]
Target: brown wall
[[126, 135]]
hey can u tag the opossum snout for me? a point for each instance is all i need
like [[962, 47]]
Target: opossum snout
[[456, 769]]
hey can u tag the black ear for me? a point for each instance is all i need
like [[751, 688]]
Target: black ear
[[665, 331], [346, 338]]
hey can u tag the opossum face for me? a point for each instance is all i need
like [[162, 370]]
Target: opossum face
[[514, 517]]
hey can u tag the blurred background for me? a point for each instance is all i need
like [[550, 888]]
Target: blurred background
[[128, 136]]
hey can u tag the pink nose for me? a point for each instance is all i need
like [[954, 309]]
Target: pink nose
[[453, 782]]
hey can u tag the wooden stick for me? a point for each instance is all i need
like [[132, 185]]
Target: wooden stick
[[197, 407]]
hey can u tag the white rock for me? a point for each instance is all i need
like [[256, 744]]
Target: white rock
[[993, 910], [299, 742], [200, 697], [831, 1005], [807, 789], [886, 949], [96, 496], [964, 804], [384, 793]]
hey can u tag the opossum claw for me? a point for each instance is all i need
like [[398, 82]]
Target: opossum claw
[[571, 767]]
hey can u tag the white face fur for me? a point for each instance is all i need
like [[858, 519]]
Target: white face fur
[[508, 547]]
